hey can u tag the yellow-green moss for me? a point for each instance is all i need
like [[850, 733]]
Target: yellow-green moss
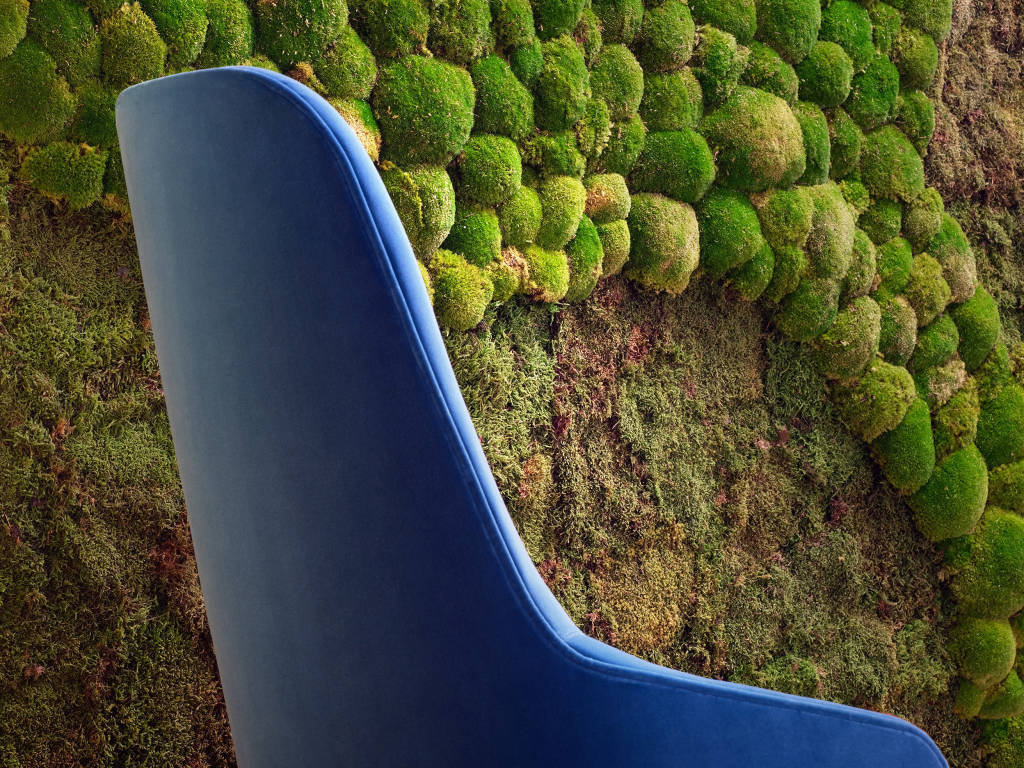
[[13, 24], [520, 218], [347, 68], [845, 349], [730, 232], [890, 166], [664, 242], [977, 319], [35, 102], [615, 243], [767, 70], [789, 26], [503, 105], [607, 197], [847, 140], [916, 57], [809, 310], [475, 235], [877, 401], [585, 256], [666, 37], [392, 28], [825, 75], [988, 567], [461, 290], [874, 93], [984, 650], [67, 171], [425, 201], [229, 35], [547, 274], [899, 329], [953, 251], [952, 501], [955, 424], [67, 32], [883, 220]]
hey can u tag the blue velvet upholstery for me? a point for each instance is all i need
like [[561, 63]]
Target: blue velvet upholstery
[[370, 601]]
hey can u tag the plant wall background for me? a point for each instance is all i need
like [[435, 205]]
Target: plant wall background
[[534, 150]]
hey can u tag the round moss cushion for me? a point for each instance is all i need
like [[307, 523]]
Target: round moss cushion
[[607, 197], [425, 201], [676, 163], [767, 70], [936, 343], [786, 216], [955, 424], [845, 349], [926, 289], [672, 101], [890, 166], [977, 320], [563, 200], [666, 37], [35, 102], [229, 35], [730, 232], [520, 218], [752, 278], [290, 31], [1001, 427], [615, 242], [620, 19], [461, 291], [916, 57], [847, 24], [616, 77], [585, 256], [489, 169], [347, 69], [877, 401], [817, 143], [922, 219], [133, 50], [873, 93], [808, 311], [475, 235], [988, 580], [906, 453], [883, 220], [1006, 700], [664, 238], [789, 26], [950, 246], [847, 140], [984, 650], [563, 85], [1006, 486], [951, 502], [825, 75], [899, 329]]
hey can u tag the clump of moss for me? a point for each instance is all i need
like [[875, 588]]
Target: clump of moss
[[953, 251], [915, 116], [461, 290], [67, 171], [933, 17], [13, 24], [425, 201], [1001, 427], [1006, 490], [527, 61], [977, 319], [132, 48], [616, 77], [936, 343], [392, 28], [672, 101], [229, 34], [988, 567], [808, 311], [757, 141], [737, 17], [845, 349], [607, 197], [620, 19], [94, 119], [926, 290], [790, 265], [983, 649], [615, 242], [730, 232], [720, 63], [547, 274], [66, 30], [922, 218], [752, 278], [955, 424], [585, 255], [512, 23], [825, 75], [554, 154], [1005, 700], [290, 31], [886, 22], [817, 143], [359, 116], [460, 30], [916, 57], [428, 284], [906, 453], [625, 143], [182, 24], [676, 163], [563, 200], [860, 277], [767, 70], [664, 241], [588, 35], [876, 402], [899, 329], [520, 217], [994, 374], [789, 26], [35, 102], [475, 235], [882, 221], [503, 105], [786, 216], [594, 129], [969, 698], [847, 141], [489, 169], [347, 68], [425, 110], [562, 90], [507, 274], [829, 244], [666, 37], [856, 195], [554, 18], [890, 166], [847, 24], [874, 93], [952, 501]]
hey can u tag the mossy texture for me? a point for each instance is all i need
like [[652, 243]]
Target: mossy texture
[[94, 119], [936, 343], [977, 319], [563, 85], [672, 101], [1001, 427], [952, 501], [847, 140], [664, 242], [666, 38], [926, 289], [563, 200], [955, 424], [616, 77], [809, 310], [547, 274], [878, 401], [874, 93], [554, 18], [348, 69], [425, 201], [786, 216], [1005, 700], [290, 31], [620, 19], [899, 329], [461, 290], [132, 48], [475, 235], [512, 23], [951, 248], [503, 105], [906, 453], [751, 279], [607, 197], [35, 102], [885, 25], [883, 220], [890, 166], [846, 348], [730, 232], [460, 30], [676, 163], [767, 70], [825, 75], [182, 25], [915, 116], [229, 35], [625, 143], [392, 28], [817, 143], [860, 277], [984, 650], [829, 245], [790, 265], [737, 17], [520, 217], [585, 256], [719, 62], [67, 171], [489, 169], [916, 57], [922, 219], [847, 24], [615, 242], [13, 24], [554, 154], [66, 30], [988, 568], [789, 26]]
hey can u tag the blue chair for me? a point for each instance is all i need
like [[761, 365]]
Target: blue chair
[[370, 601]]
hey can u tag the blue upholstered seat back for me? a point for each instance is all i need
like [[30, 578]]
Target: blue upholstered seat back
[[370, 602]]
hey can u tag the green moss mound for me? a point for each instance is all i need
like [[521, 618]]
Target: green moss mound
[[616, 77], [977, 319], [392, 28], [856, 195], [554, 154], [899, 329], [786, 216], [547, 274], [936, 343], [666, 37], [625, 143], [995, 373], [594, 129], [952, 501], [460, 30], [359, 116], [527, 62], [507, 274], [878, 401], [425, 110], [132, 48], [562, 90], [922, 219], [672, 101], [1001, 427], [906, 453], [13, 24], [94, 118], [933, 17], [563, 200], [937, 384], [767, 70], [916, 57], [817, 143], [789, 26], [737, 17], [68, 171], [890, 166], [874, 93], [790, 265], [615, 242], [554, 18], [969, 698], [229, 35], [66, 30], [425, 201], [520, 218], [847, 141], [847, 24], [348, 68], [1006, 486], [757, 141], [290, 31], [951, 248], [809, 310], [825, 75], [752, 278], [1005, 700], [676, 163], [620, 19], [182, 24], [35, 102], [427, 282], [607, 197], [503, 105], [585, 255], [720, 62], [512, 23], [845, 349], [730, 232], [915, 116], [926, 289], [883, 220], [461, 291], [829, 245], [988, 579], [475, 235], [664, 241], [983, 649], [860, 277], [886, 22], [955, 424], [489, 169]]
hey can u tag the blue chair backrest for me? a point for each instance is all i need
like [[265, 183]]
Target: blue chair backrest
[[369, 599]]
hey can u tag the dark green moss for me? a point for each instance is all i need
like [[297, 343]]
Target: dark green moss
[[13, 24], [625, 143], [229, 35], [666, 37], [182, 24], [562, 90], [527, 62], [554, 18], [1001, 427], [916, 57], [461, 291], [615, 243], [757, 141], [671, 102], [829, 245], [890, 166], [475, 235], [906, 453], [983, 649], [969, 698], [847, 24], [616, 77], [767, 70], [563, 200], [810, 310], [847, 141], [786, 216], [953, 251], [347, 69], [547, 274], [512, 23], [588, 36], [789, 26], [886, 22], [752, 278], [817, 145], [719, 64], [607, 197], [730, 232], [926, 290], [664, 242], [915, 116], [620, 19], [845, 349], [860, 277], [132, 48], [676, 163], [460, 30], [899, 329], [790, 265], [936, 343], [825, 75], [392, 28], [488, 169], [1006, 490], [66, 30], [585, 255], [1005, 700], [424, 108], [594, 129], [520, 218], [67, 171], [874, 93], [922, 218], [425, 201], [94, 118], [290, 31], [955, 424], [35, 102], [554, 154], [877, 402], [977, 319], [737, 17], [883, 220], [988, 575]]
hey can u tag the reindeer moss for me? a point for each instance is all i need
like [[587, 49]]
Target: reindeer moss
[[664, 242], [906, 453], [676, 163]]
